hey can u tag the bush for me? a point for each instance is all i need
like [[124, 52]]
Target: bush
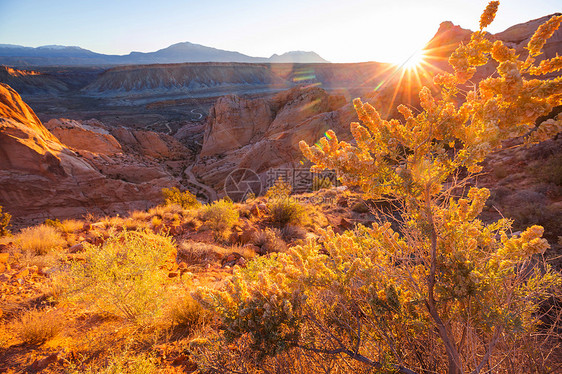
[[173, 196], [279, 190], [125, 275], [441, 292], [39, 240], [4, 223], [284, 211], [37, 327], [219, 216]]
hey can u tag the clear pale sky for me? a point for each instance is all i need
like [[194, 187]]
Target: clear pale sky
[[340, 31]]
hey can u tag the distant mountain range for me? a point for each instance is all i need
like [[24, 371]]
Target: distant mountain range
[[56, 55]]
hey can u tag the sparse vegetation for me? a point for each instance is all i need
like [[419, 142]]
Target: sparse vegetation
[[434, 285]]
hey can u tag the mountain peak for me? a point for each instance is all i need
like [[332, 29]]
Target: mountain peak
[[298, 57]]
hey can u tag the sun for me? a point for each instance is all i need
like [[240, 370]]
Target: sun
[[414, 61]]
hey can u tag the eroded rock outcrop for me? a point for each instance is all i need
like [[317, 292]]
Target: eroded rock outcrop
[[264, 134], [40, 177], [150, 144], [82, 136]]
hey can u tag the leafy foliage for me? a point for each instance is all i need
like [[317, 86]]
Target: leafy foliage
[[441, 284], [185, 199], [124, 276], [4, 223]]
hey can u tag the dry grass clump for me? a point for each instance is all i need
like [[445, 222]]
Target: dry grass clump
[[67, 226], [187, 316], [245, 251], [269, 241], [196, 253], [39, 240], [37, 327], [292, 233], [139, 215]]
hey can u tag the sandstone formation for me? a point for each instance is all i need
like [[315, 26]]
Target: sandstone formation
[[263, 134], [151, 144], [81, 136], [40, 177]]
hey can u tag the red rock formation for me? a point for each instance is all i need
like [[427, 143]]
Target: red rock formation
[[81, 136], [263, 134], [41, 178]]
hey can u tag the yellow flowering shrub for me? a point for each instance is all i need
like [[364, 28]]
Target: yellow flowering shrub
[[437, 290]]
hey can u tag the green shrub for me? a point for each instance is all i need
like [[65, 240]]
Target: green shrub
[[185, 199], [4, 223], [219, 217], [125, 275], [285, 211]]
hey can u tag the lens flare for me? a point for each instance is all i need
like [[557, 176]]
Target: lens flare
[[414, 61]]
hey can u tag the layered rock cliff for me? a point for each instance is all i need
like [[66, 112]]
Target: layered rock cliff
[[41, 177]]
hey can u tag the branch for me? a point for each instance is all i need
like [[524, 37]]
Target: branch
[[491, 346], [356, 356], [455, 366]]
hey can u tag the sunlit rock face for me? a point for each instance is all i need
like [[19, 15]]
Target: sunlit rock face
[[41, 177], [264, 134]]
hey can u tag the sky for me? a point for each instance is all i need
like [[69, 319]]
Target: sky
[[339, 31]]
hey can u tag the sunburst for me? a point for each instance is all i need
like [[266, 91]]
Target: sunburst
[[414, 61]]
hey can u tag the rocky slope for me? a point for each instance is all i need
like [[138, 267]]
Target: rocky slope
[[41, 177], [31, 82]]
